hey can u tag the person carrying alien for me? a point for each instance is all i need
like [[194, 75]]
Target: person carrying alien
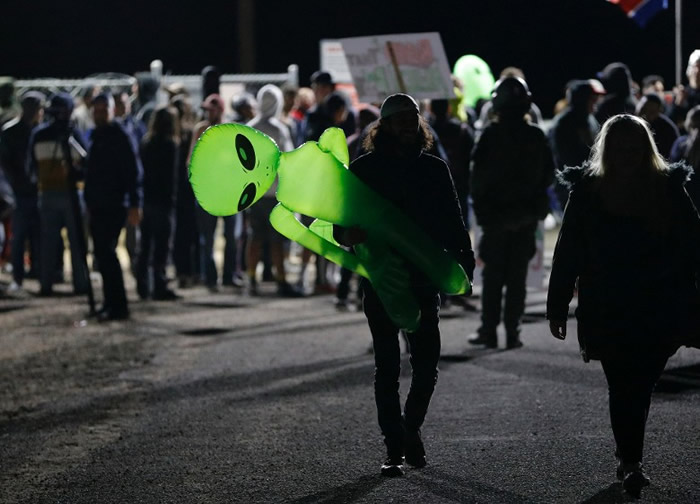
[[398, 169], [396, 206]]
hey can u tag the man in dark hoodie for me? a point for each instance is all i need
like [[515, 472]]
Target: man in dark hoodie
[[113, 195], [573, 130], [512, 167], [399, 169], [617, 79]]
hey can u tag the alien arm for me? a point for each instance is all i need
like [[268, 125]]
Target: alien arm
[[284, 221]]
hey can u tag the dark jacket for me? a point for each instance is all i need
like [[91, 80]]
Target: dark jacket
[[665, 134], [49, 145], [512, 167], [159, 157], [677, 113], [114, 175], [681, 152], [422, 188], [458, 140], [572, 135], [14, 142], [632, 279]]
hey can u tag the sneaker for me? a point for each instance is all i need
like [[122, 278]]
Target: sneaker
[[142, 290], [489, 341], [413, 448], [286, 290], [513, 342], [620, 471], [392, 466], [341, 304], [112, 314], [165, 295], [634, 479], [252, 289]]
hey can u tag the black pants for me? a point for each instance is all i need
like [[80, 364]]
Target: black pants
[[156, 229], [105, 226], [186, 242], [631, 380], [424, 346], [506, 255]]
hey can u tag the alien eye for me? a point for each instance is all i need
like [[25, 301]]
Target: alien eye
[[247, 197], [245, 151]]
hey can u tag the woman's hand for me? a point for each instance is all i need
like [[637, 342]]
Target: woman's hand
[[558, 328]]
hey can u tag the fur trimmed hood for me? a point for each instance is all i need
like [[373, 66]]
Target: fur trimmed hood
[[679, 173]]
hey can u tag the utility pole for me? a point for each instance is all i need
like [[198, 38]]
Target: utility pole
[[246, 36]]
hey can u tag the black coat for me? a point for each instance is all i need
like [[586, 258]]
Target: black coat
[[512, 167], [633, 280], [421, 187], [159, 157], [114, 175]]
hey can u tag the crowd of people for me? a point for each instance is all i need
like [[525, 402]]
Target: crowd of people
[[630, 232], [54, 153]]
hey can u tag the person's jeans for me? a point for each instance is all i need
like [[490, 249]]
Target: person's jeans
[[424, 347], [206, 224], [186, 242], [55, 213], [207, 229], [506, 255], [25, 226], [105, 227], [233, 229], [156, 228], [631, 379]]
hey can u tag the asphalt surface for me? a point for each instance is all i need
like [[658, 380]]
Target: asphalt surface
[[224, 398]]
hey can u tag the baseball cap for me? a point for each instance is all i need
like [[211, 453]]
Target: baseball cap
[[321, 77], [597, 86], [398, 102]]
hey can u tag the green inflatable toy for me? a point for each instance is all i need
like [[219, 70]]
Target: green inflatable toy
[[233, 165], [477, 78]]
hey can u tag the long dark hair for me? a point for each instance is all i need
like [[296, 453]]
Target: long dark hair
[[164, 124], [378, 138]]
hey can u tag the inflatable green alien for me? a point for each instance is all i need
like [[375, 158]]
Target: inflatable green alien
[[233, 165]]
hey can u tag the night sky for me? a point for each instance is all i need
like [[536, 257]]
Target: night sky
[[552, 40]]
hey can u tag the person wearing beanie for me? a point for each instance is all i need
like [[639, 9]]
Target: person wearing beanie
[[270, 101], [573, 131], [55, 155], [398, 168], [512, 167], [617, 79]]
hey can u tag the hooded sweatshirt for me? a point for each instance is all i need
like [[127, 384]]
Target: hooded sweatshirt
[[270, 101]]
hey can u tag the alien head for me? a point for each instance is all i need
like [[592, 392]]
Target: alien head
[[232, 166]]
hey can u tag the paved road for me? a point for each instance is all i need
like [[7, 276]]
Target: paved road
[[224, 398]]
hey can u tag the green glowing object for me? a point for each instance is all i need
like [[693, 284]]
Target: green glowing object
[[233, 165], [477, 78]]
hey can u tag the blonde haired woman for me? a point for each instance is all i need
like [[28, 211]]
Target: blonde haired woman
[[630, 244]]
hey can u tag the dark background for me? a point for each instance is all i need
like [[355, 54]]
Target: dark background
[[552, 40]]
